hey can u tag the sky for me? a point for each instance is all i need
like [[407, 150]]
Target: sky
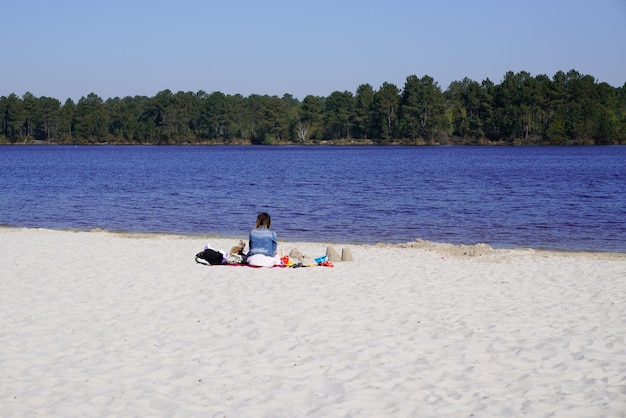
[[70, 48]]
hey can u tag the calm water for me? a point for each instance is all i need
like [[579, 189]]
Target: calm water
[[569, 198]]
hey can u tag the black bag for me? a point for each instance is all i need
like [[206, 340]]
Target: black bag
[[209, 256]]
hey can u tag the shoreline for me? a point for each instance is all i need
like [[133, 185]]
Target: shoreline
[[100, 323], [419, 243], [326, 142]]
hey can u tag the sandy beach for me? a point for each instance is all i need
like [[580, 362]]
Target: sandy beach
[[103, 324]]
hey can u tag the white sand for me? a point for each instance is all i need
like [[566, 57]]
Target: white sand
[[101, 324]]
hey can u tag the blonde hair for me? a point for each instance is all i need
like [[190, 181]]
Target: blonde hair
[[263, 221]]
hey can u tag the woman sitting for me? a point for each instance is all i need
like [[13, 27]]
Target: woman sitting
[[263, 243]]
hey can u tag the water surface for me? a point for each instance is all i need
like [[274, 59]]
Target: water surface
[[568, 198]]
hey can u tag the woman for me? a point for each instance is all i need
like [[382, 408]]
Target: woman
[[263, 243]]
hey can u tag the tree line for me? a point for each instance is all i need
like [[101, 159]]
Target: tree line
[[569, 108]]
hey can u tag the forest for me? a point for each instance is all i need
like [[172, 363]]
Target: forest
[[567, 109]]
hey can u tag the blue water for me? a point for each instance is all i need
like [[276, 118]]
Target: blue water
[[565, 198]]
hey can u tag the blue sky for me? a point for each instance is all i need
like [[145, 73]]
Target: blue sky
[[70, 48]]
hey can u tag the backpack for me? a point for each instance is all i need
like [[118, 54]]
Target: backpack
[[210, 256]]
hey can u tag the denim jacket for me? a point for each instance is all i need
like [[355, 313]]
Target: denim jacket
[[262, 241]]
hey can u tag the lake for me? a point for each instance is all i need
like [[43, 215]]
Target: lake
[[562, 198]]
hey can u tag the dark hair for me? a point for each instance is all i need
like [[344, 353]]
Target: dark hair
[[263, 220]]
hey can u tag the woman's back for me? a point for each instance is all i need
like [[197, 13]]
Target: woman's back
[[262, 241]]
